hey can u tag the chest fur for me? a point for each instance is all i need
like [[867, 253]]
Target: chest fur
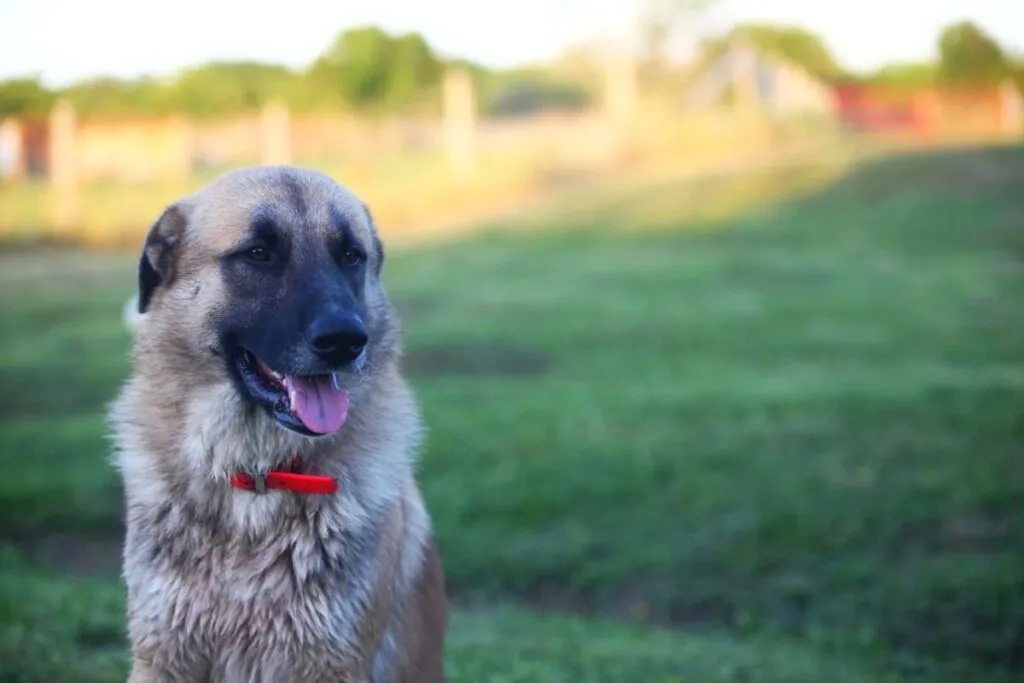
[[303, 602]]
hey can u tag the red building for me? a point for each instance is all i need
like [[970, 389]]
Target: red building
[[927, 111]]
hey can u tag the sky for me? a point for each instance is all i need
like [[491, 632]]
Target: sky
[[66, 40]]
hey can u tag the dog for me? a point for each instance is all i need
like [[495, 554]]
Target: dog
[[267, 443]]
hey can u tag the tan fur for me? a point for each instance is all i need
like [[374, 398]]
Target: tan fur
[[225, 585]]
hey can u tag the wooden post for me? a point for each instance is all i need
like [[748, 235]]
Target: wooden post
[[620, 104], [63, 167], [744, 79], [1011, 111], [276, 134], [460, 124], [12, 149], [621, 90]]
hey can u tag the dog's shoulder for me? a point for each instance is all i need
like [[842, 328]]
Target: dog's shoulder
[[413, 645]]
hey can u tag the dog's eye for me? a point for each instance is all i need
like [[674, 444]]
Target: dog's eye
[[351, 257], [258, 254]]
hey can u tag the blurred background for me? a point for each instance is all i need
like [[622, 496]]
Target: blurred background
[[714, 308]]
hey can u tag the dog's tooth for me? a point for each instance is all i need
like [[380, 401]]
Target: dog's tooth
[[335, 381]]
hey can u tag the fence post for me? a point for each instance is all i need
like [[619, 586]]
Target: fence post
[[621, 94], [747, 98], [276, 133], [185, 146], [12, 149], [63, 167], [1011, 111], [621, 90], [460, 124]]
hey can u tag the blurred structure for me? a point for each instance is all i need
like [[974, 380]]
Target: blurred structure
[[64, 166], [12, 153], [460, 124], [969, 112], [744, 77], [276, 134]]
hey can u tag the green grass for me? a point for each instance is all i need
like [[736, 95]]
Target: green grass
[[781, 446]]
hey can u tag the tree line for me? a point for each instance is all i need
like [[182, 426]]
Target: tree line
[[364, 68], [369, 70], [966, 55]]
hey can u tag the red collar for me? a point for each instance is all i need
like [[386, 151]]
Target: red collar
[[284, 480]]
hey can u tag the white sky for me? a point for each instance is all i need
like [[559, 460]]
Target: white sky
[[65, 40]]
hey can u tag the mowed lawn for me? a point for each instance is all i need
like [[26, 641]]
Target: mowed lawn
[[784, 446]]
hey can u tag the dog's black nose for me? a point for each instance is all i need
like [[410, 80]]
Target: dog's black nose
[[337, 339]]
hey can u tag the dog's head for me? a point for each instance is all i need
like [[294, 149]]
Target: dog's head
[[268, 280]]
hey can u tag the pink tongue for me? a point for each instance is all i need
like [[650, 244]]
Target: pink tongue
[[316, 402]]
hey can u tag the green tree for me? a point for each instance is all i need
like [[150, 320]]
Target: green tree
[[968, 54], [205, 90], [792, 43], [369, 67], [24, 96], [414, 69], [221, 87], [364, 67], [121, 96], [911, 74], [358, 64]]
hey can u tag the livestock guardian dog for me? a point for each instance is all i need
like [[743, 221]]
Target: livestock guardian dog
[[267, 441]]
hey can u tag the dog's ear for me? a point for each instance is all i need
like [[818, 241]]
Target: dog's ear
[[157, 261], [378, 246]]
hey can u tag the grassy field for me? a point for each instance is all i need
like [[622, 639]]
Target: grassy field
[[780, 446]]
